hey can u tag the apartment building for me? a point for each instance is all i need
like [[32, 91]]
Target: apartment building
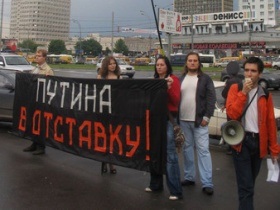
[[266, 10], [41, 21], [187, 7]]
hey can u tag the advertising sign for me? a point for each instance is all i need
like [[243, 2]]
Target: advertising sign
[[170, 22], [218, 17]]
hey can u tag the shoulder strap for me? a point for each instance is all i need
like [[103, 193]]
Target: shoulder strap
[[240, 86]]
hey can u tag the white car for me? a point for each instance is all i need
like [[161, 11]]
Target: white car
[[9, 61], [276, 64], [221, 64], [126, 69], [219, 117]]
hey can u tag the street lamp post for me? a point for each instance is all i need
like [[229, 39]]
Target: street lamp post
[[250, 29], [150, 20], [192, 29], [1, 26], [80, 37]]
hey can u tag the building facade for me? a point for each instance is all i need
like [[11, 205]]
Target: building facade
[[40, 21], [267, 10], [228, 33], [187, 7]]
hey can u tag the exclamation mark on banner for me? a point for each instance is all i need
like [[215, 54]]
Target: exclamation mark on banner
[[148, 134]]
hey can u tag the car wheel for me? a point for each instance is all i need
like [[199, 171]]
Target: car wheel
[[130, 76], [275, 67], [263, 84]]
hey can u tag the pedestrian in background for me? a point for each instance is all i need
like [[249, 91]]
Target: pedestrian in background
[[109, 70], [232, 69], [260, 130], [38, 145], [163, 70], [197, 105]]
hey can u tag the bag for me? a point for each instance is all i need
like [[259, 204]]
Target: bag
[[179, 137], [178, 133]]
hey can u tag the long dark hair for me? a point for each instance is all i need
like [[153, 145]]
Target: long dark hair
[[199, 71], [167, 63], [104, 71]]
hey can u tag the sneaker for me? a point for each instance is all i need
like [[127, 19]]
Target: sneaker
[[187, 183], [208, 190], [173, 197], [148, 189]]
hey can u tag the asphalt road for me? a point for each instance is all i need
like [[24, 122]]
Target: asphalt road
[[58, 181]]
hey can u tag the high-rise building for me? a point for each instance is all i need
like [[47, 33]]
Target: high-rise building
[[40, 21], [266, 10], [187, 7]]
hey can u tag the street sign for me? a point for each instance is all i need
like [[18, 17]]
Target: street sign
[[170, 22]]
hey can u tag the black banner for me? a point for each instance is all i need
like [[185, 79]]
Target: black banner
[[117, 121]]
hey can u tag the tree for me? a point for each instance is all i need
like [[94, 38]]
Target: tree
[[28, 44], [57, 47], [90, 47], [120, 47]]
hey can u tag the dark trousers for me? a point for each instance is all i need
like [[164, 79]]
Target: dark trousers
[[39, 143], [247, 165], [156, 182]]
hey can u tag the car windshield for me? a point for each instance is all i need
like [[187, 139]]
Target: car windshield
[[121, 62], [16, 60]]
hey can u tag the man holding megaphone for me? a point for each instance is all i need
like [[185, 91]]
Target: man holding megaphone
[[253, 106]]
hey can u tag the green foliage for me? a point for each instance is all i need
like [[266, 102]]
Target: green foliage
[[29, 44], [90, 47], [57, 47], [120, 47]]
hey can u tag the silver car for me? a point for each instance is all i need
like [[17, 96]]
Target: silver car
[[126, 69], [14, 62]]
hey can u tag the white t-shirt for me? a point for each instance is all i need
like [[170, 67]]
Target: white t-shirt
[[251, 115], [188, 102]]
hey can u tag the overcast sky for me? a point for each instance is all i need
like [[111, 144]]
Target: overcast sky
[[95, 16]]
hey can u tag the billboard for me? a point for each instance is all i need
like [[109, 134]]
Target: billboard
[[218, 17], [170, 22]]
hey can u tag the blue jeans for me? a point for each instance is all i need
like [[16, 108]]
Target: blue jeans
[[247, 164], [197, 137], [172, 168]]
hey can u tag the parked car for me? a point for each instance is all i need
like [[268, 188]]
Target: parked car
[[267, 79], [15, 62], [219, 117], [7, 92], [221, 64], [276, 64], [126, 69]]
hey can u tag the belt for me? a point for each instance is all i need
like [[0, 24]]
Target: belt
[[251, 134]]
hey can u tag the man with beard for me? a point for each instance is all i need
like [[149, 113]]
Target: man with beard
[[197, 105]]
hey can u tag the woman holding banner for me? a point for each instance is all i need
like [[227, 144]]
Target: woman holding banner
[[163, 70], [109, 70]]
